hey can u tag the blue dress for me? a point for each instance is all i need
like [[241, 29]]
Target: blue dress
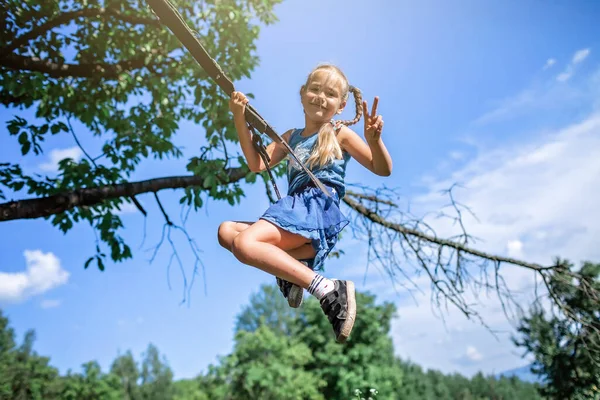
[[306, 210]]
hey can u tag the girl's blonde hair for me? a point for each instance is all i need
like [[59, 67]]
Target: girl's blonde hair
[[327, 148]]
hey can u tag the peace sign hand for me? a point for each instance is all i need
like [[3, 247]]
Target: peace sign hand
[[373, 122]]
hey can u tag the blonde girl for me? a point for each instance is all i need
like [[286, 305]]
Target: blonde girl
[[294, 236]]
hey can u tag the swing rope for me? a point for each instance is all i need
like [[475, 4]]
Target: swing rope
[[170, 17], [262, 152]]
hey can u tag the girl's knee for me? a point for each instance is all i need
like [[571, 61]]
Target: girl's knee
[[241, 247], [225, 233]]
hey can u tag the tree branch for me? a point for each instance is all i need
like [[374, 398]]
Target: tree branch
[[46, 206], [374, 217], [63, 70], [67, 17]]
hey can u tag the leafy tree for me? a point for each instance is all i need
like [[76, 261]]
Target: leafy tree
[[156, 376], [267, 307], [365, 362], [189, 389], [267, 365], [23, 373], [368, 358], [92, 384], [126, 369], [109, 71], [566, 352], [32, 376], [7, 354]]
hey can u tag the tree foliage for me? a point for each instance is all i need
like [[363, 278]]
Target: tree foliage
[[266, 362], [113, 69], [566, 353]]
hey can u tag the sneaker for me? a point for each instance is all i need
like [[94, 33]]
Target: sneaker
[[340, 307], [292, 292]]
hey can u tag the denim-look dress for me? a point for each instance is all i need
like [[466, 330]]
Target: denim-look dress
[[306, 210]]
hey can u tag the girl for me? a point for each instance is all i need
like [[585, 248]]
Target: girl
[[295, 235]]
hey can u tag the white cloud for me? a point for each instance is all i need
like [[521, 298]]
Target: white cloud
[[578, 58], [535, 197], [580, 55], [57, 155], [564, 76], [473, 354], [515, 248], [550, 97], [549, 63], [50, 303], [543, 192], [43, 273]]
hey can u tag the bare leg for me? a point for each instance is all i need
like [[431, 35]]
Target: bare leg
[[265, 246], [228, 230]]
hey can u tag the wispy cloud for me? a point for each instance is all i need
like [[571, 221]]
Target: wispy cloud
[[544, 96], [578, 57], [43, 273], [535, 197], [470, 357], [549, 63], [57, 155]]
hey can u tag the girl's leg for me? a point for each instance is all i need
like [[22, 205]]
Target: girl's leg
[[228, 230], [293, 293], [265, 246]]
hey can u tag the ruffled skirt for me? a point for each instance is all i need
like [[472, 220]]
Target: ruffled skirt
[[311, 214]]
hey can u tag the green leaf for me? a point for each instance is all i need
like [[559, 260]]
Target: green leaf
[[100, 263], [23, 138], [251, 177], [13, 128], [25, 148]]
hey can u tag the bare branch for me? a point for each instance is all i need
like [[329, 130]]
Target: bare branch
[[167, 219], [374, 217], [448, 262]]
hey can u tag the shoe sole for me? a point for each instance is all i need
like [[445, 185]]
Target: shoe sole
[[349, 323], [295, 296]]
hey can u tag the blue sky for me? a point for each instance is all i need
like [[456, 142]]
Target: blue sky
[[502, 97]]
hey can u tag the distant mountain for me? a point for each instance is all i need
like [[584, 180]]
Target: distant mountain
[[523, 373]]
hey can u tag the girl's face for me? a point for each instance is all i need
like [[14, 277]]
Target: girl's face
[[322, 96]]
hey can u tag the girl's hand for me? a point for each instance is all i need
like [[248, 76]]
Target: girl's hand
[[237, 103], [373, 122]]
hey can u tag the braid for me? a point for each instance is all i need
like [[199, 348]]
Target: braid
[[359, 109]]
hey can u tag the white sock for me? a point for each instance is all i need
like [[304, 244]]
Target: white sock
[[320, 286]]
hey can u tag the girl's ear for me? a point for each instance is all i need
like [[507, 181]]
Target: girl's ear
[[342, 106]]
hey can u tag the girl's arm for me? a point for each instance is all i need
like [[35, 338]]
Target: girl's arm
[[372, 155]]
